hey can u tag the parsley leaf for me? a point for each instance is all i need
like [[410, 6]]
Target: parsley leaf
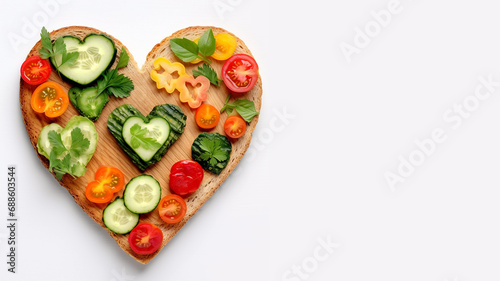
[[124, 58], [115, 84], [208, 72], [140, 137], [56, 143], [79, 144], [50, 50], [212, 151], [244, 107]]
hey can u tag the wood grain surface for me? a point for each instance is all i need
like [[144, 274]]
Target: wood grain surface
[[144, 97]]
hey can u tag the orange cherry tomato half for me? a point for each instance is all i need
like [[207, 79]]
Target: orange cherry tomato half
[[145, 238], [235, 126], [98, 193], [172, 208], [35, 70], [207, 116], [111, 177], [240, 73], [50, 98]]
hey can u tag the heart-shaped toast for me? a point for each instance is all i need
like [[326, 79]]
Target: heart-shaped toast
[[145, 97]]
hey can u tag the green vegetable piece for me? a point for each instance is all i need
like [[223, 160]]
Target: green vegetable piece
[[206, 43], [185, 49], [244, 107], [212, 151], [208, 72]]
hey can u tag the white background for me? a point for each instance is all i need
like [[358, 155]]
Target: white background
[[332, 126]]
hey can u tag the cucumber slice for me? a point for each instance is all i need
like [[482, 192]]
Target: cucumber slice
[[117, 218], [142, 194], [96, 54], [43, 144], [89, 132], [89, 105], [145, 138]]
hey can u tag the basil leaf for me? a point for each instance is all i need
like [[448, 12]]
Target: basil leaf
[[246, 109], [185, 49], [206, 43]]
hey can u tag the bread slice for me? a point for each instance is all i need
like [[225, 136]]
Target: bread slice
[[144, 97]]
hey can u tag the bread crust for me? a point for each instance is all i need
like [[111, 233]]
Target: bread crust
[[144, 88]]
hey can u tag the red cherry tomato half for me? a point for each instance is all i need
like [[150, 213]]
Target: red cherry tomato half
[[35, 70], [235, 126], [240, 73], [145, 238], [185, 177], [172, 208]]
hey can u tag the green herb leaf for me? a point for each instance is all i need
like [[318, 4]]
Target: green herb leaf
[[124, 58], [140, 137], [79, 144], [185, 49], [56, 143], [208, 72], [206, 43], [115, 84], [244, 107], [50, 50]]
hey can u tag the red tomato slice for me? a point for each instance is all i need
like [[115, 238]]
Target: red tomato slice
[[235, 126], [185, 177], [240, 73], [98, 193], [172, 208], [111, 177], [207, 116], [35, 70], [145, 238]]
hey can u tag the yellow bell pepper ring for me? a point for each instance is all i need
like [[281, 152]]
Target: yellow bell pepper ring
[[197, 91], [166, 74]]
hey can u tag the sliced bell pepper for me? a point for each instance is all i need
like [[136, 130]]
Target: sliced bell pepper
[[197, 93], [166, 74]]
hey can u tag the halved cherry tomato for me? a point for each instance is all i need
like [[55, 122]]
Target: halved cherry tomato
[[235, 126], [35, 70], [111, 177], [98, 193], [207, 116], [185, 177], [50, 98], [172, 208], [225, 45], [240, 73], [145, 238], [192, 90]]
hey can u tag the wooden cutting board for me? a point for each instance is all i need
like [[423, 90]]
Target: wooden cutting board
[[144, 97]]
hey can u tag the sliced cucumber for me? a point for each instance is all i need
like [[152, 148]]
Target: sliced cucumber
[[117, 218], [96, 53], [145, 138], [86, 102], [142, 194], [43, 144], [89, 132]]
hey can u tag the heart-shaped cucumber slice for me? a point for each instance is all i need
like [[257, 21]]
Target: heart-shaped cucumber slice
[[119, 116], [96, 54], [145, 138]]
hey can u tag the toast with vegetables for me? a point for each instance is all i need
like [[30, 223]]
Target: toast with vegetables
[[138, 123]]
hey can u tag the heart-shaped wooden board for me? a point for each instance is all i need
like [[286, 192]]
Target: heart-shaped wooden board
[[144, 97]]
